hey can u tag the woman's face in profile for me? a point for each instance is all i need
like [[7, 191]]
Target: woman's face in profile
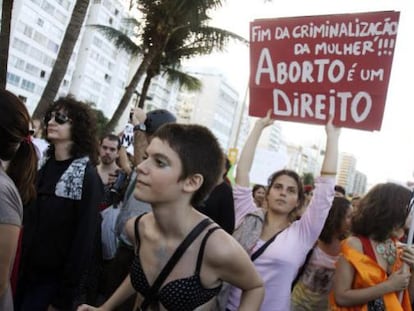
[[58, 126]]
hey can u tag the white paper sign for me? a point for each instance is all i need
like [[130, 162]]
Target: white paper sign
[[266, 163]]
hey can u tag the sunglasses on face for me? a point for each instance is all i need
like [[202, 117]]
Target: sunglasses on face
[[59, 117]]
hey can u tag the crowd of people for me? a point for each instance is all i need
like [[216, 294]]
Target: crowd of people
[[147, 219]]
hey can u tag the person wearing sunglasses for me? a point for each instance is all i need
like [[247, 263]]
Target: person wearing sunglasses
[[17, 184], [61, 226]]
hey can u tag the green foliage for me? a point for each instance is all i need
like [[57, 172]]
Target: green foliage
[[308, 179], [101, 121], [170, 31], [186, 81], [119, 39]]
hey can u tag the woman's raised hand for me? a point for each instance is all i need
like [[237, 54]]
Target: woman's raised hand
[[266, 120], [330, 129]]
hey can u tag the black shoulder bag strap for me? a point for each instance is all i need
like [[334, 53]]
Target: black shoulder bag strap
[[302, 268], [260, 251], [153, 291]]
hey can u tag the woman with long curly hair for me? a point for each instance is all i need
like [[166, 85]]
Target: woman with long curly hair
[[17, 177], [61, 225]]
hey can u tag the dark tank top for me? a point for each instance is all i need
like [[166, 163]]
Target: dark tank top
[[184, 294]]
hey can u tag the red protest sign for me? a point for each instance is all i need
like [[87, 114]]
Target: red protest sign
[[305, 68]]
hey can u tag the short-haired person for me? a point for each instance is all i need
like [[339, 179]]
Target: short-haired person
[[18, 166], [113, 179], [369, 274], [174, 177], [145, 125], [107, 168], [314, 284], [279, 263], [60, 226]]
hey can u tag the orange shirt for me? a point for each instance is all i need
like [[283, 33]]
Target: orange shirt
[[369, 273]]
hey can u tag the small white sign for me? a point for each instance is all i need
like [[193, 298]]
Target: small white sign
[[265, 163]]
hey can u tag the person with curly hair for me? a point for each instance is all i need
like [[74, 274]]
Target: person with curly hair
[[61, 224], [18, 166], [370, 273]]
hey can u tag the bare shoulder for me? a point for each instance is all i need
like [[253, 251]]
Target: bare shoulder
[[130, 225], [355, 243], [222, 248]]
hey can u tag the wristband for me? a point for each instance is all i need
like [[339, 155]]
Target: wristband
[[140, 127], [328, 173]]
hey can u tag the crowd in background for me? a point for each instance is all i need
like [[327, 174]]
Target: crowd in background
[[147, 219]]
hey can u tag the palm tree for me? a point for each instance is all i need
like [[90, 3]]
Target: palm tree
[[62, 60], [184, 80], [166, 63], [173, 26], [6, 16]]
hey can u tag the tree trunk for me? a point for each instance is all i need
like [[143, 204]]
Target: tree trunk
[[6, 16], [129, 90], [62, 61], [145, 88]]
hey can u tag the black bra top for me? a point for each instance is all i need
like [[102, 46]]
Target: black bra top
[[184, 294]]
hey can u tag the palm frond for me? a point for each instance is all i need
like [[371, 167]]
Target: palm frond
[[131, 22], [118, 38], [186, 81]]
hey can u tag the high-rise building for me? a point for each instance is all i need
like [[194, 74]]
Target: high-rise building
[[359, 186], [161, 94], [346, 172], [303, 159], [37, 29], [97, 71], [102, 70], [271, 138], [215, 106]]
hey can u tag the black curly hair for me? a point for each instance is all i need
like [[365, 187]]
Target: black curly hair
[[83, 129]]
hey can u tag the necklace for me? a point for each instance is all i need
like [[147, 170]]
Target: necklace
[[387, 251]]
